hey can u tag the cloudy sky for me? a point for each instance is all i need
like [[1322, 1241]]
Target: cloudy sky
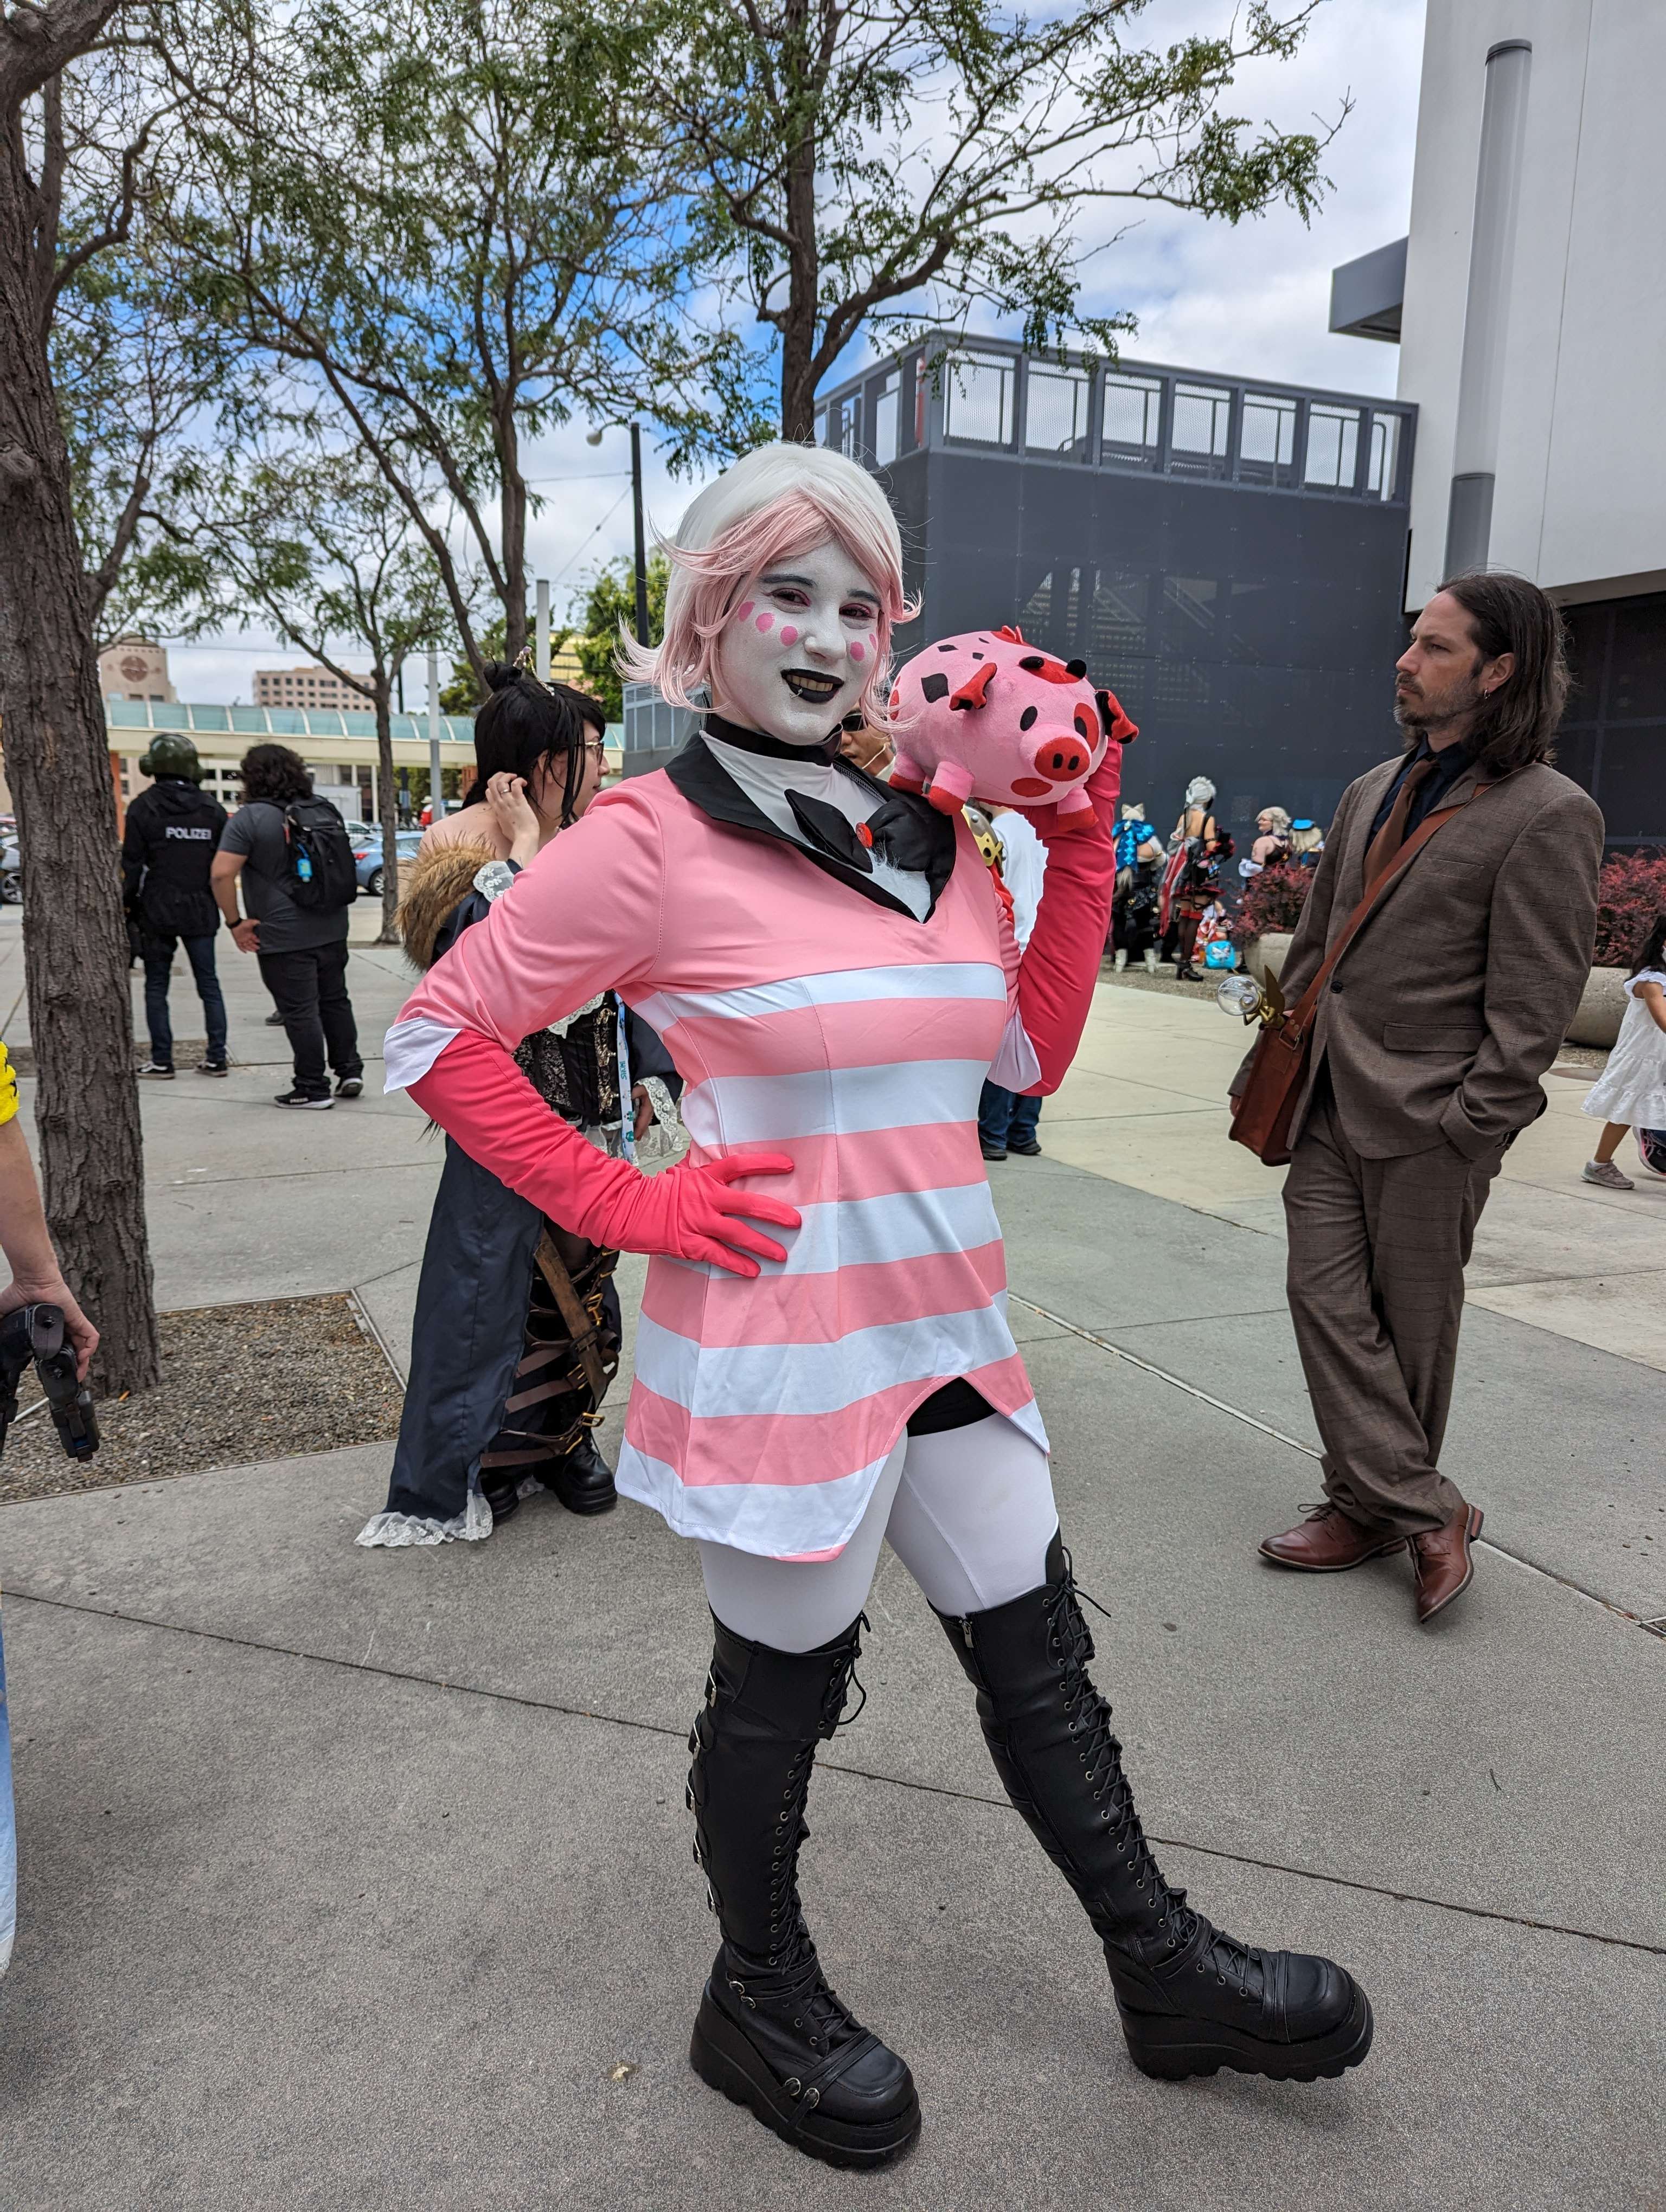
[[1251, 301]]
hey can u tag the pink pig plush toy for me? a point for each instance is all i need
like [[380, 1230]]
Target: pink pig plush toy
[[987, 716]]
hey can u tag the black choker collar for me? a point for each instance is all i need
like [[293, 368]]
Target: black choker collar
[[755, 741]]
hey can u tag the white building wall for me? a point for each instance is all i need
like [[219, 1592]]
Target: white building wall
[[1580, 501]]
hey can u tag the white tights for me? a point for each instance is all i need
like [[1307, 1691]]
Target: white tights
[[969, 1511]]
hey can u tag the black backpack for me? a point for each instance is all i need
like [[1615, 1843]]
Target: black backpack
[[321, 874]]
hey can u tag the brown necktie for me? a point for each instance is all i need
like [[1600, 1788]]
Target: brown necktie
[[1392, 836]]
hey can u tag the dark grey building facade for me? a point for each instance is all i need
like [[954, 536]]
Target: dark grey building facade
[[1228, 556]]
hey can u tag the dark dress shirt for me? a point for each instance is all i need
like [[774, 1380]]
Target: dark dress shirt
[[1450, 765]]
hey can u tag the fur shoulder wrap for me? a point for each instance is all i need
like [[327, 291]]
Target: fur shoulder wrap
[[435, 887]]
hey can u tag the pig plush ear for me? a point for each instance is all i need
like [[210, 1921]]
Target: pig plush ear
[[975, 691], [1012, 635]]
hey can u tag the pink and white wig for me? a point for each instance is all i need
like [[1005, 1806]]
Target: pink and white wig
[[778, 501]]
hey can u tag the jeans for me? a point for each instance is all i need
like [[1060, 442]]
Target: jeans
[[309, 989], [1007, 1117], [158, 956]]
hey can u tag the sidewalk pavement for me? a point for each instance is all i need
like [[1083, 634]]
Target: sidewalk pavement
[[361, 1878]]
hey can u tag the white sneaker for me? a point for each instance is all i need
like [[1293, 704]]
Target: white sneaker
[[1605, 1173]]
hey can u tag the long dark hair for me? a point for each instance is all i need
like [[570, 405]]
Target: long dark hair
[[525, 725], [274, 773], [1653, 952], [1507, 614]]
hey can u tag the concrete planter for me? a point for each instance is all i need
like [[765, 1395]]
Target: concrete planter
[[1601, 1007], [1266, 956]]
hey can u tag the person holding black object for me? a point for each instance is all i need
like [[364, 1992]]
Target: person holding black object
[[1429, 1034], [36, 1280], [167, 848], [291, 852]]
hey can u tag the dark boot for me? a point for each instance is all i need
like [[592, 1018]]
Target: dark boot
[[770, 2033], [581, 1479], [1192, 1999]]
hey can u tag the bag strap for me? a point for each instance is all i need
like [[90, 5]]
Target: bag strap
[[1303, 1012]]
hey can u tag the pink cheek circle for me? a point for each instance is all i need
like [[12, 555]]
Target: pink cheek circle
[[765, 620], [789, 636], [741, 613], [858, 650]]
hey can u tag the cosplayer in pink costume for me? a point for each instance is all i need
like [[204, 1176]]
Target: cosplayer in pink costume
[[824, 1360]]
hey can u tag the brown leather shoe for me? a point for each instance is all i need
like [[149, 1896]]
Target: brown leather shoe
[[1327, 1542], [1442, 1562]]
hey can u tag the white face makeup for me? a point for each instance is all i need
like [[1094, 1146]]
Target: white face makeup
[[800, 642]]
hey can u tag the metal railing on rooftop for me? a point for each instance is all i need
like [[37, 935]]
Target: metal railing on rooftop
[[990, 396]]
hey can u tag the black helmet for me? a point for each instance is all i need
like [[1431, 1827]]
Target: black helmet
[[171, 755]]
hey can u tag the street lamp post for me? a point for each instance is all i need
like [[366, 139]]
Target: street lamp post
[[641, 550], [435, 798], [594, 438]]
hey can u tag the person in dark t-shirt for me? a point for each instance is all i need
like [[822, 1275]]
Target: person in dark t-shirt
[[303, 950]]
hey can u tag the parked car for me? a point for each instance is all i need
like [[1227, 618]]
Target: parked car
[[367, 856], [11, 873]]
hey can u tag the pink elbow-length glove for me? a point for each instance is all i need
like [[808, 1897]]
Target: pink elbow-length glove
[[1061, 963], [476, 1092]]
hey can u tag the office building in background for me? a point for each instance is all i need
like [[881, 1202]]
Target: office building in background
[[1529, 309]]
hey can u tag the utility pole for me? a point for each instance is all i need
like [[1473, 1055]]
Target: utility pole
[[641, 542], [435, 789], [541, 633]]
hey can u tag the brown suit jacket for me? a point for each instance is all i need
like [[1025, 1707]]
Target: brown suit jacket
[[1453, 997]]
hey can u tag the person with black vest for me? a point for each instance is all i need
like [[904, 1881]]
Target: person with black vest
[[291, 851], [167, 850]]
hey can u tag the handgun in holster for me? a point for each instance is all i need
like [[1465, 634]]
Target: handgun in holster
[[36, 1334]]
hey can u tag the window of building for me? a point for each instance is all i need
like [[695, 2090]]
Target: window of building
[[821, 426], [1267, 441], [1333, 441], [1202, 423], [850, 428], [1134, 406], [977, 397], [1056, 412], [885, 403]]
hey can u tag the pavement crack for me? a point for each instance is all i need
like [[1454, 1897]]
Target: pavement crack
[[825, 1764]]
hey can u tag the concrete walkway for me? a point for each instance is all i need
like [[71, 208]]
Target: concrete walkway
[[362, 1877]]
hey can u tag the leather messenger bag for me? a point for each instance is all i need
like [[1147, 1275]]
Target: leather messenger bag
[[1278, 1073]]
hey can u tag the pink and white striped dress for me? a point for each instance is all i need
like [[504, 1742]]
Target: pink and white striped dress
[[806, 1021]]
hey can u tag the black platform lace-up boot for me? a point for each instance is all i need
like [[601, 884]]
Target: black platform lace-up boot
[[1192, 1999], [770, 2032]]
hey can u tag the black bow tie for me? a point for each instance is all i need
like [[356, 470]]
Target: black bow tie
[[827, 830], [899, 831]]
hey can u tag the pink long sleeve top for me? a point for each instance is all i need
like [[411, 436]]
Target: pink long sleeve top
[[835, 1029]]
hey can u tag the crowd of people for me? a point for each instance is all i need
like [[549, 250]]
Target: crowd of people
[[827, 987]]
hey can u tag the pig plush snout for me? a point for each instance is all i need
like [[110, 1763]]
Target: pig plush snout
[[1058, 756]]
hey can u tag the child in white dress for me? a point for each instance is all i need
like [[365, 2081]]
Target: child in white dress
[[1631, 1092]]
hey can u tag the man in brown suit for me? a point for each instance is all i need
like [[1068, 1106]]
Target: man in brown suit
[[1430, 1039]]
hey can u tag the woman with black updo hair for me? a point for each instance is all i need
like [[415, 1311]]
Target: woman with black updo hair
[[517, 1329]]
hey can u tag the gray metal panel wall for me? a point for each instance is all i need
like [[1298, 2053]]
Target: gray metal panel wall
[[1251, 634]]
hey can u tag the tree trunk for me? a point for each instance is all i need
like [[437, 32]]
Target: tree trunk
[[75, 937], [797, 335], [385, 773]]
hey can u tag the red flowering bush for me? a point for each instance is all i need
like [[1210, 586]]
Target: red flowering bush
[[1273, 902], [1630, 892]]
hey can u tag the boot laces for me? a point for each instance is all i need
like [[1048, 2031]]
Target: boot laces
[[1090, 1721]]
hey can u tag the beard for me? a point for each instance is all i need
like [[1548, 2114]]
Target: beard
[[1417, 712]]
